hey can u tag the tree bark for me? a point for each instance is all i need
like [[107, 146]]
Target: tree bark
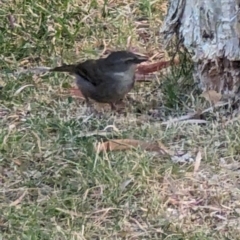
[[210, 31]]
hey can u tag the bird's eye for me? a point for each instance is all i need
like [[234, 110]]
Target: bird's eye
[[129, 60]]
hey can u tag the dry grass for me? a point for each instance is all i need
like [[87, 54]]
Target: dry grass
[[54, 185]]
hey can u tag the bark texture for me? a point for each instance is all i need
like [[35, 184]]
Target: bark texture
[[210, 31]]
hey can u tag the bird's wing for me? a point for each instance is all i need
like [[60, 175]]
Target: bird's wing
[[92, 71]]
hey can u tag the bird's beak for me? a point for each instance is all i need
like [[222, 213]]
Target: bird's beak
[[140, 58]]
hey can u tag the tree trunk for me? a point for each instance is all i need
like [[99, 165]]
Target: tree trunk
[[210, 31]]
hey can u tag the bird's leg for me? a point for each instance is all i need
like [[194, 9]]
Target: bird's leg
[[87, 102], [90, 108], [113, 106]]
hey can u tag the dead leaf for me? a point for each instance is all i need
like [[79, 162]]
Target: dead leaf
[[164, 7], [231, 121], [129, 42], [154, 67], [76, 93], [182, 158], [194, 121], [219, 104], [212, 96], [127, 144], [11, 127], [71, 213], [16, 202], [126, 183], [189, 116], [110, 129], [35, 70], [197, 161], [17, 162], [11, 20], [144, 77], [21, 88]]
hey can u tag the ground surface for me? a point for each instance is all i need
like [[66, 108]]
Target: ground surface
[[53, 183]]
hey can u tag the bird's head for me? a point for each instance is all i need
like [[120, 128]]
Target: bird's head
[[122, 65], [122, 62]]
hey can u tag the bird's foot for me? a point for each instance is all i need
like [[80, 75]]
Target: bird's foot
[[118, 108]]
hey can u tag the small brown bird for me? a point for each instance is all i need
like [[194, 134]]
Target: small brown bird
[[105, 80]]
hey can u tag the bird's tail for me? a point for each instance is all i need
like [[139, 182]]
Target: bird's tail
[[64, 68]]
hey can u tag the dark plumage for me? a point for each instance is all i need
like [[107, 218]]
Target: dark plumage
[[105, 80]]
